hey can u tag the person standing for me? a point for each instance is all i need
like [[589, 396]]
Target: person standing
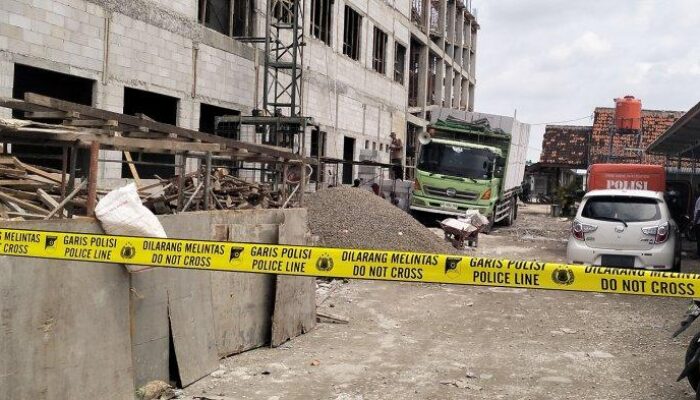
[[396, 156]]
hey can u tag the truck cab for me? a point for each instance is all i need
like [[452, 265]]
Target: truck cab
[[453, 177]]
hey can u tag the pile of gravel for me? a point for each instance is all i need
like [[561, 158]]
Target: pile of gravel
[[358, 219]]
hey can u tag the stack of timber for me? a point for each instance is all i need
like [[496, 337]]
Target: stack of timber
[[224, 192], [32, 192], [37, 193]]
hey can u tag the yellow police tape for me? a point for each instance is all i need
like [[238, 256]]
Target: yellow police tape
[[342, 263]]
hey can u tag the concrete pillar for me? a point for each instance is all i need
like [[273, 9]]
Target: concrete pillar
[[457, 91], [459, 38], [449, 76], [470, 107], [466, 60], [423, 77], [464, 103], [339, 24], [426, 18], [459, 28], [451, 16], [442, 22], [7, 73], [440, 82]]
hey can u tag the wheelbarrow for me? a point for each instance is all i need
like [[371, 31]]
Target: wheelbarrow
[[458, 232]]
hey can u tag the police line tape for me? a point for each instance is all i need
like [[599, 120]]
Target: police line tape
[[342, 263]]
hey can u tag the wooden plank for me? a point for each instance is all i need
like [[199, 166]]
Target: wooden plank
[[13, 171], [331, 318], [295, 296], [243, 302], [88, 123], [21, 105], [14, 206], [22, 203], [22, 182], [65, 326], [20, 194], [66, 200], [36, 171], [51, 115], [25, 215], [132, 168], [149, 144], [117, 142], [49, 201], [91, 112]]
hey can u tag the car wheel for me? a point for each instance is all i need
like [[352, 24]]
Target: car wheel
[[693, 376]]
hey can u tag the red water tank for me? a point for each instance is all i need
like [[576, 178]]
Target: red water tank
[[628, 114]]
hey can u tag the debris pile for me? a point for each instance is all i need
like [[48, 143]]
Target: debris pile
[[226, 192], [33, 192], [354, 218]]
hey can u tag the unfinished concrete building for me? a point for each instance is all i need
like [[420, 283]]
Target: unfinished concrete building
[[368, 67]]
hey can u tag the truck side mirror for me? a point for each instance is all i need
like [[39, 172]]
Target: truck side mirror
[[498, 173]]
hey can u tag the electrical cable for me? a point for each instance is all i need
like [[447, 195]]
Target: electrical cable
[[562, 122]]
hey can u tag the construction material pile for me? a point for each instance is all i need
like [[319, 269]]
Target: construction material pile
[[33, 192], [355, 218], [226, 192]]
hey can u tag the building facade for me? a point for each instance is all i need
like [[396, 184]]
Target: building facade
[[369, 67]]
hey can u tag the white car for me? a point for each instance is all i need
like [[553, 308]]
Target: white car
[[625, 229]]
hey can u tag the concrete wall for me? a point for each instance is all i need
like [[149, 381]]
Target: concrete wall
[[85, 330], [159, 46]]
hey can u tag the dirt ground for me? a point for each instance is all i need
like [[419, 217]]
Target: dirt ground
[[429, 341]]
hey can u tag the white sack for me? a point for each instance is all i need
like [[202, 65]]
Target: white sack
[[120, 212]]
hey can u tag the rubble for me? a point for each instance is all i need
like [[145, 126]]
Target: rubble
[[354, 218]]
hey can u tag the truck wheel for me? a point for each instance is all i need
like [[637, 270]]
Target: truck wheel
[[508, 221], [488, 227]]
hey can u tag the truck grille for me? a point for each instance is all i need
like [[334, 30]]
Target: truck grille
[[433, 191]]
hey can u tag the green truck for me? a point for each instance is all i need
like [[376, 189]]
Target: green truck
[[471, 166]]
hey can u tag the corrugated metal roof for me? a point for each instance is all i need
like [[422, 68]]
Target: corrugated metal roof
[[682, 138]]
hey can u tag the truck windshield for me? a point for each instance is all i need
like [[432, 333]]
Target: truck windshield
[[464, 162], [627, 209]]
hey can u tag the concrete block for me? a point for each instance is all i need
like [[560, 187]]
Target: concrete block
[[20, 21]]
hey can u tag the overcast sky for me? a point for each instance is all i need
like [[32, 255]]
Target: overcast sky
[[556, 60]]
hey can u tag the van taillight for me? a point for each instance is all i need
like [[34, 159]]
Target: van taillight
[[579, 229]]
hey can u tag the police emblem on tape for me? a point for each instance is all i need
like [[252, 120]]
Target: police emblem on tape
[[235, 254], [324, 263], [128, 251], [563, 276], [50, 242], [452, 267]]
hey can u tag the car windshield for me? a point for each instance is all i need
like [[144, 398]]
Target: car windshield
[[624, 208], [464, 162]]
